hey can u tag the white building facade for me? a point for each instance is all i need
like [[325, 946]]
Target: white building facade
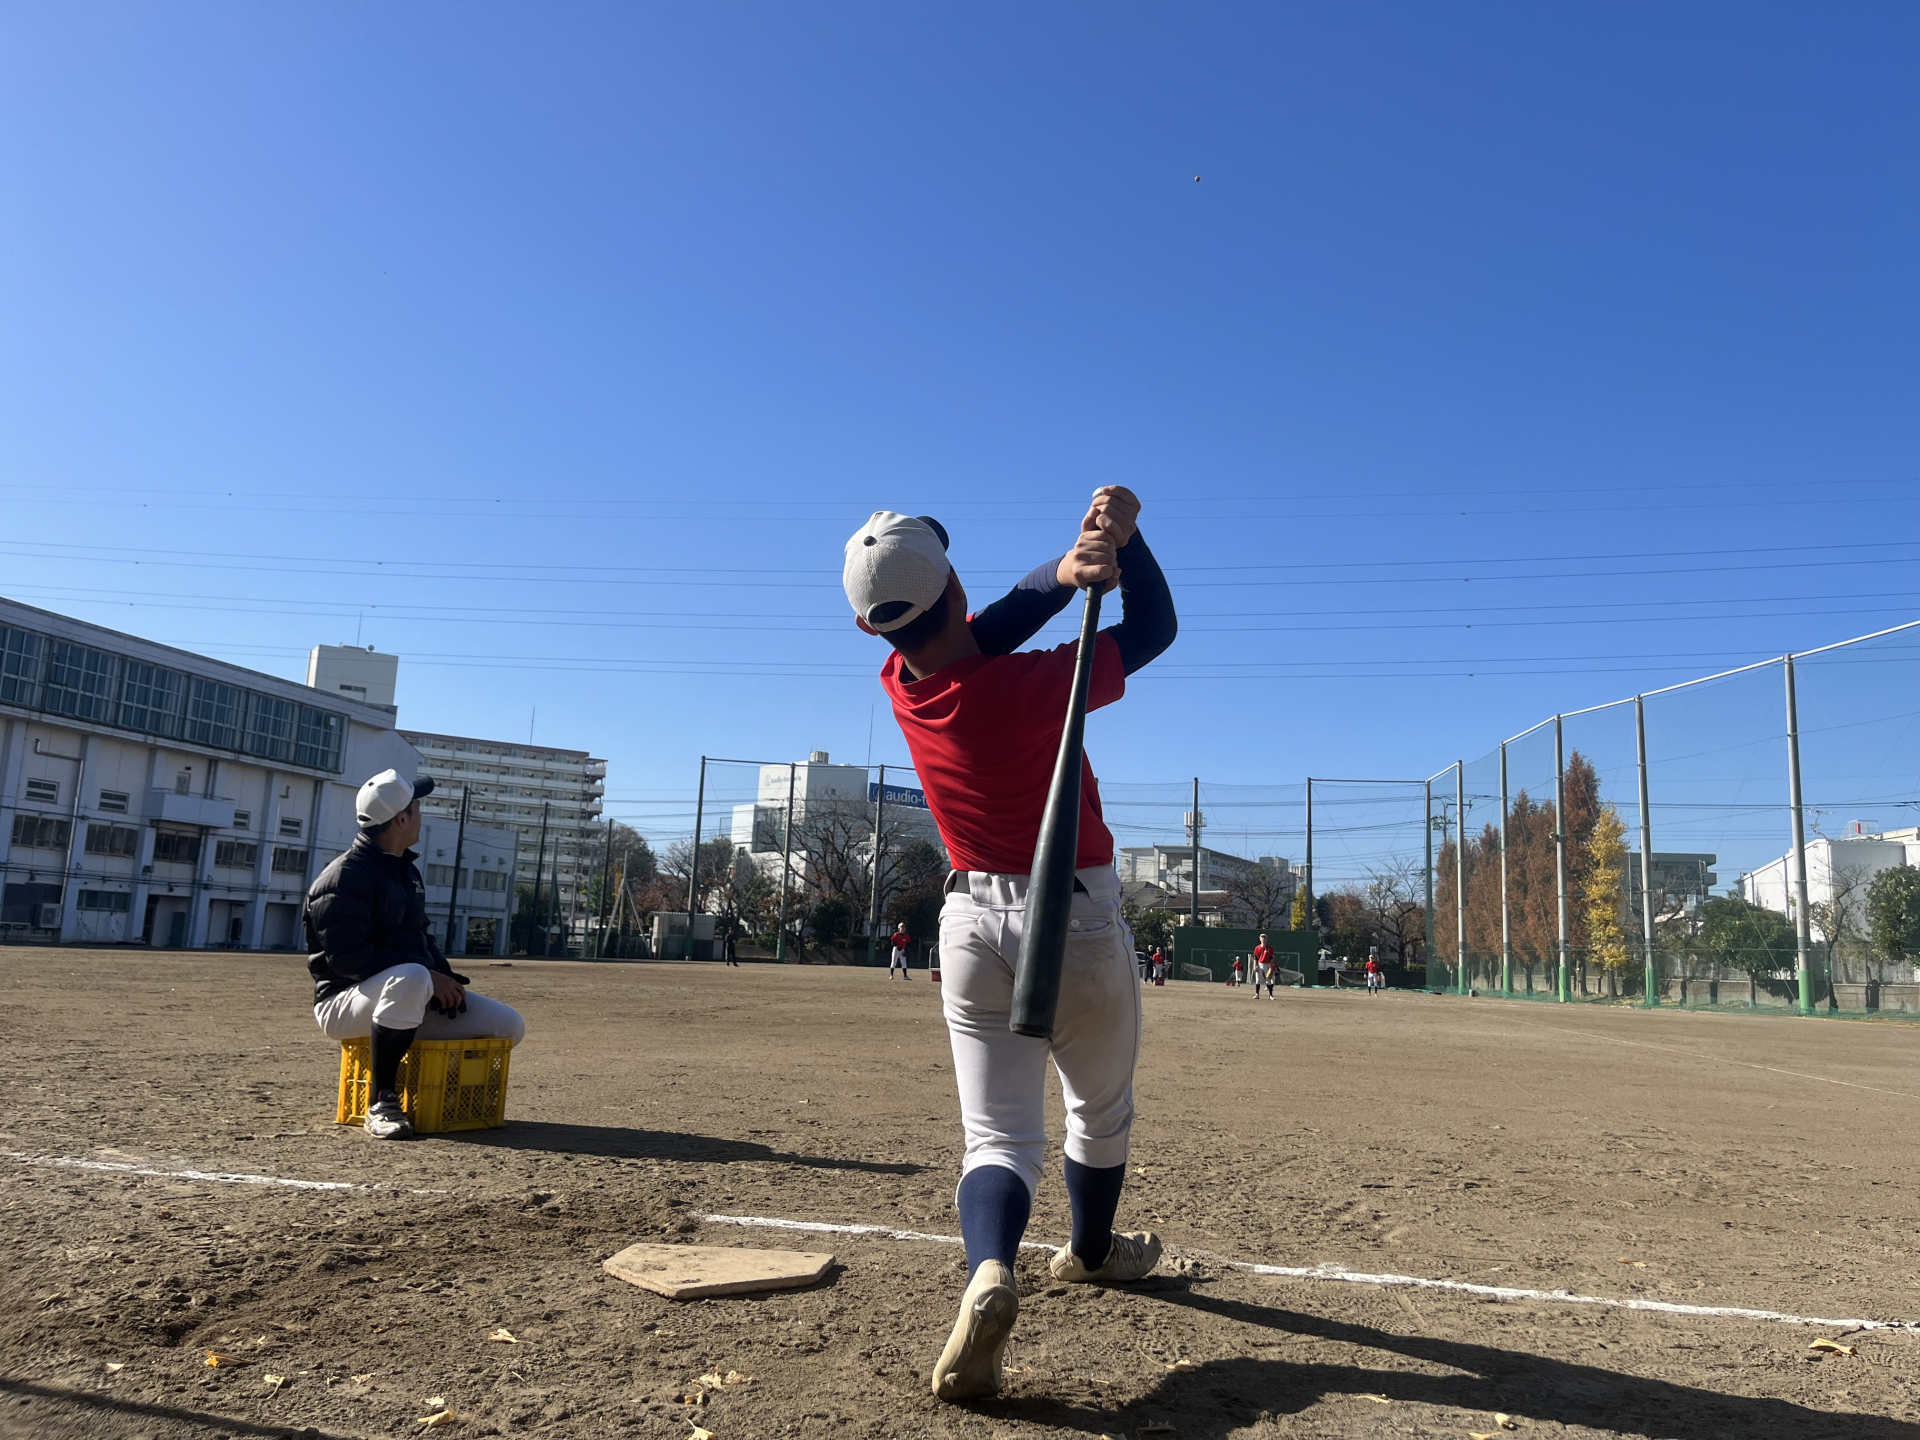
[[149, 795], [515, 787], [1853, 859], [825, 793], [473, 870]]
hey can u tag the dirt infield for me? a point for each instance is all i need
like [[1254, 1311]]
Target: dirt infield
[[1700, 1159]]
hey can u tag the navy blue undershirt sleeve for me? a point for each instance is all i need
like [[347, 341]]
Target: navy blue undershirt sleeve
[[1016, 617], [1147, 622]]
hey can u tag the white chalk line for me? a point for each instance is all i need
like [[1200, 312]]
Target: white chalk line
[[817, 1227], [69, 1162], [1357, 1277]]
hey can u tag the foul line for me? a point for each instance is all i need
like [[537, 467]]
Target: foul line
[[1356, 1277], [66, 1162]]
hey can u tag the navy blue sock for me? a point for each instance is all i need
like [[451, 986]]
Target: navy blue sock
[[1095, 1196], [994, 1206]]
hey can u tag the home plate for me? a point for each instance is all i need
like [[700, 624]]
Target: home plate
[[687, 1272]]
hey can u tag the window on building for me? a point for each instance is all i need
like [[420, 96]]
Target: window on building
[[150, 698], [317, 739], [114, 902], [46, 792], [79, 681], [290, 827], [115, 801], [19, 665], [243, 819], [289, 861], [121, 840], [183, 783], [41, 832], [269, 727], [442, 875], [236, 854], [176, 847], [213, 714], [494, 880]]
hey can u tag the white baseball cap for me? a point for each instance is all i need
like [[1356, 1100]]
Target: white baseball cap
[[896, 569], [386, 795]]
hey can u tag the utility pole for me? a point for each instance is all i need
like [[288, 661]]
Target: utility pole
[[873, 920], [1563, 985], [1310, 973], [459, 851], [553, 898], [539, 865], [1193, 908], [1506, 919], [1428, 827], [1651, 985], [1802, 919], [693, 865], [786, 866], [1460, 869], [606, 880]]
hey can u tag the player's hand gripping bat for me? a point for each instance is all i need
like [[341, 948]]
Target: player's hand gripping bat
[[1043, 941]]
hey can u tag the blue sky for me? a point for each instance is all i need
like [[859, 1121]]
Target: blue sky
[[1502, 360]]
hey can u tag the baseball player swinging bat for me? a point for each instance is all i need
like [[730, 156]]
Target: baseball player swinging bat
[[1043, 940]]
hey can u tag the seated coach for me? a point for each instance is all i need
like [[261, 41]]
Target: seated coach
[[378, 973]]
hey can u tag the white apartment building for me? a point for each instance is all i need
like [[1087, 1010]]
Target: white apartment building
[[151, 795], [1854, 858], [1171, 868], [821, 790], [513, 786], [483, 905]]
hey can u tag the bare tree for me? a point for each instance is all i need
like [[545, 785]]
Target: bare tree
[[1263, 893], [1392, 906], [1840, 920]]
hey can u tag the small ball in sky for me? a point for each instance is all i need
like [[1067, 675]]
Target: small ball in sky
[[1196, 179]]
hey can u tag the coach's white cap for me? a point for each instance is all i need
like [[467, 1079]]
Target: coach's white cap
[[896, 569], [386, 795]]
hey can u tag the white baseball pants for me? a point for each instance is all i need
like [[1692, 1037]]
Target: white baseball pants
[[396, 999], [1096, 1038]]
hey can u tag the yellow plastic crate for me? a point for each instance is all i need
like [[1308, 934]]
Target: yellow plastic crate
[[444, 1084]]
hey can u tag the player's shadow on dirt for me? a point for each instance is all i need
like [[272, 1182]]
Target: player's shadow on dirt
[[615, 1142], [1224, 1395], [52, 1410]]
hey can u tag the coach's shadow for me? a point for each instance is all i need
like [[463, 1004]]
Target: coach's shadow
[[1222, 1396], [617, 1142]]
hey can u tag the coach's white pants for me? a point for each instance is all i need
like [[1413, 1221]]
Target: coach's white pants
[[1096, 1035], [396, 999]]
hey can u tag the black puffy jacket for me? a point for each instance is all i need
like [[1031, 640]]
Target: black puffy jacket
[[367, 912]]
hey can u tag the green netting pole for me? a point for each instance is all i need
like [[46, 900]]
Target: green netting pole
[[1801, 919], [1310, 973], [1460, 870], [1428, 917], [1563, 991], [1651, 984], [1506, 924]]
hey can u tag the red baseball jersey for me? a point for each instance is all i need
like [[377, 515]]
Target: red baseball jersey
[[984, 733]]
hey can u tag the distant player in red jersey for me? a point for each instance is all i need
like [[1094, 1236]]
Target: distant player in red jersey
[[900, 940], [983, 723], [1262, 968], [1375, 976]]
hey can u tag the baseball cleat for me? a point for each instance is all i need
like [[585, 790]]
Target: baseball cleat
[[387, 1121], [970, 1366], [1131, 1257]]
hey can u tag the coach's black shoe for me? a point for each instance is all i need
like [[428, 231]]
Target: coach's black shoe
[[970, 1366], [1132, 1257], [387, 1121]]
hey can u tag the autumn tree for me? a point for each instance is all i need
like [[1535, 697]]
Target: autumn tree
[[1602, 902]]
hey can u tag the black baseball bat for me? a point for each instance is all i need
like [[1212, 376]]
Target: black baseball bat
[[1043, 941]]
